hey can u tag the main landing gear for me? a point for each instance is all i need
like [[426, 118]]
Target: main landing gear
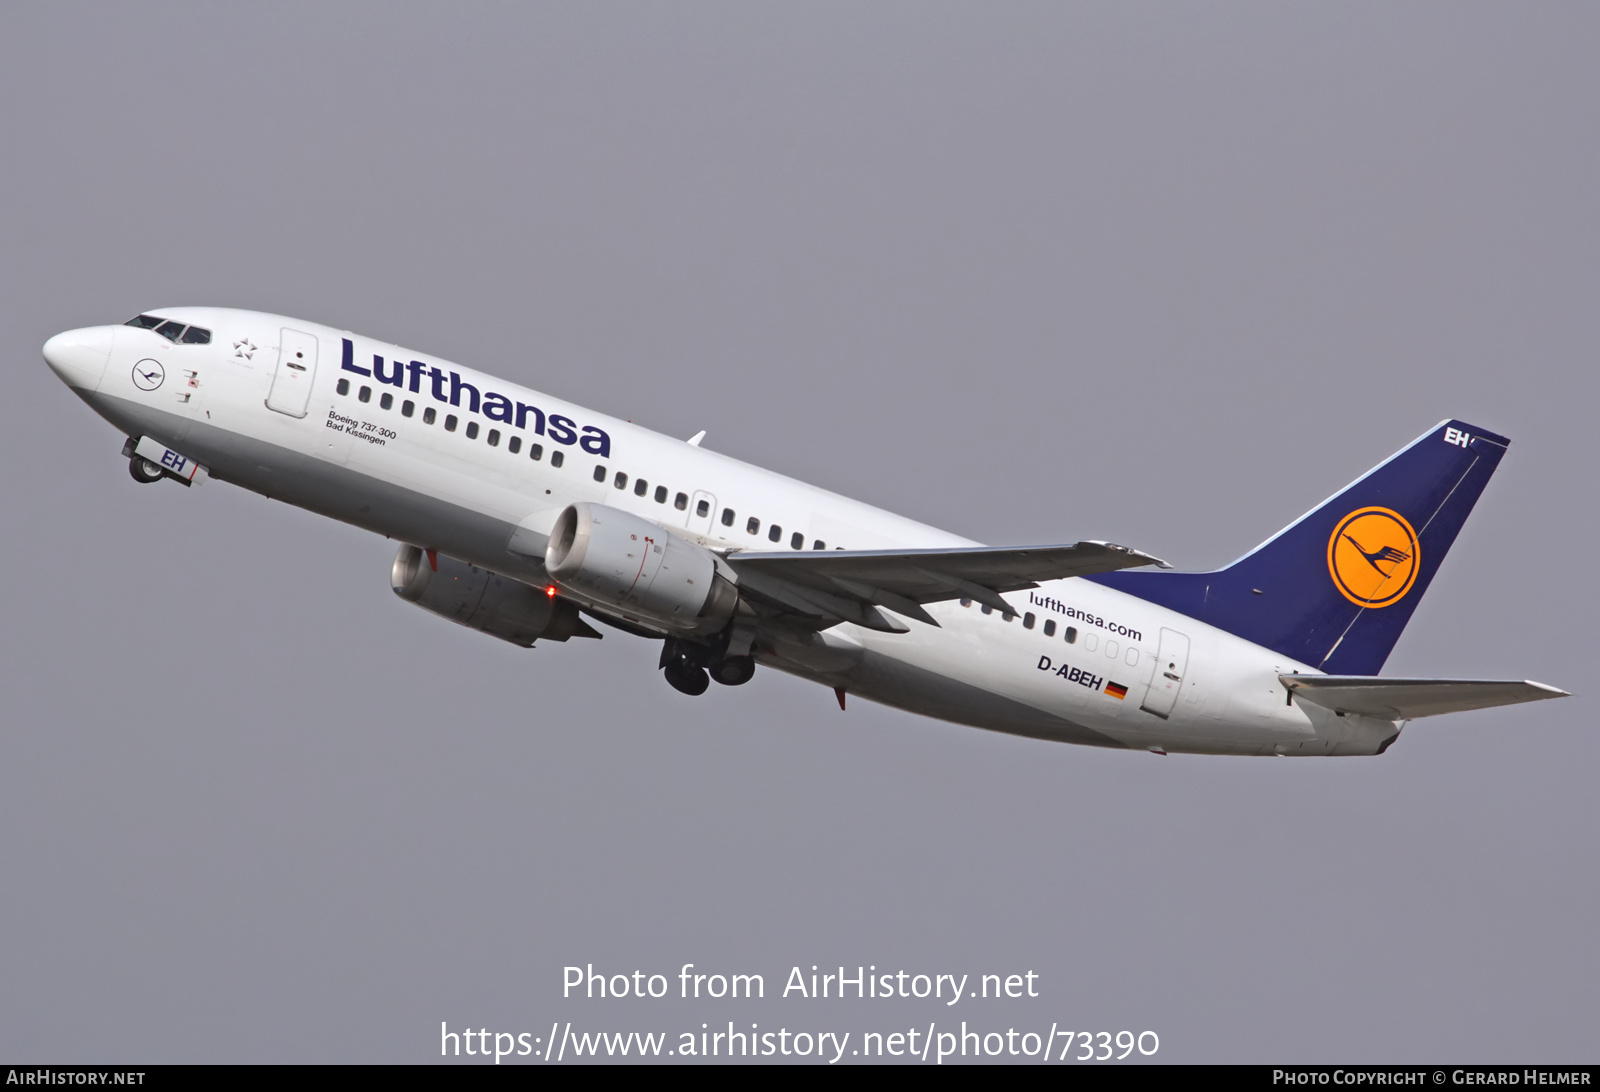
[[690, 667], [686, 678], [733, 670]]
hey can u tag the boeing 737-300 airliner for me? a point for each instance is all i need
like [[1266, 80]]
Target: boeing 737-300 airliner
[[526, 517]]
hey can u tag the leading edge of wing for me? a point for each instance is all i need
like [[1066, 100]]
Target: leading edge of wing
[[1407, 699], [903, 580]]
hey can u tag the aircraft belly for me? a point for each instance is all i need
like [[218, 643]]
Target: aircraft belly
[[1001, 681], [333, 490], [895, 682]]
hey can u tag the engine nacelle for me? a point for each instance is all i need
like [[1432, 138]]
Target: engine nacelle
[[484, 601], [640, 570]]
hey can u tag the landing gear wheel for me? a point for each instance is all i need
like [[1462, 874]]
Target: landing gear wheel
[[687, 679], [734, 670], [144, 471]]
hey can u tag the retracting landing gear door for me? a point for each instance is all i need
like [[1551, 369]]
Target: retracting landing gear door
[[297, 370], [1167, 679]]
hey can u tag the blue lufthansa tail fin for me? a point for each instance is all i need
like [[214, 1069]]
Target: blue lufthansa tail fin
[[1335, 588]]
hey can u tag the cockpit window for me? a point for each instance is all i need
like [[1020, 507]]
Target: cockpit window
[[172, 331]]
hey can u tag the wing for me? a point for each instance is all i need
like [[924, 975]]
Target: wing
[[1406, 699], [825, 588]]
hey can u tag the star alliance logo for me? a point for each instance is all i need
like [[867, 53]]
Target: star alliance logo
[[243, 350]]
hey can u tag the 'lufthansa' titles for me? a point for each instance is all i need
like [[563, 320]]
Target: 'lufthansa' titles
[[450, 389]]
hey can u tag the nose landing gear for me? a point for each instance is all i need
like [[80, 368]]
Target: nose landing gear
[[144, 471]]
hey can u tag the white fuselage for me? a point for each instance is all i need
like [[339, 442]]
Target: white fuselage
[[352, 458]]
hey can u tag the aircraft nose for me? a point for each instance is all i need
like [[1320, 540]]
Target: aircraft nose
[[79, 356]]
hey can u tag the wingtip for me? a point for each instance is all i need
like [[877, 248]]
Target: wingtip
[[1150, 559], [1144, 558], [1551, 691]]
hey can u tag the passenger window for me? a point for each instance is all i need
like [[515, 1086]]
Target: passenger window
[[1027, 620], [449, 422], [797, 541], [752, 526], [819, 545], [1071, 635], [599, 473], [514, 444], [145, 322], [966, 602], [681, 501], [1132, 658], [343, 386], [661, 494], [170, 330], [472, 430], [774, 533], [536, 452], [987, 609], [1112, 649], [386, 401], [703, 509], [407, 408], [194, 335], [494, 437], [621, 481], [556, 457], [1091, 641], [429, 416], [1049, 627], [727, 517], [365, 394], [1007, 616], [641, 487]]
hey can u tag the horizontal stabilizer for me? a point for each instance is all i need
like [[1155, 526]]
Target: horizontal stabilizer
[[1406, 699], [849, 585]]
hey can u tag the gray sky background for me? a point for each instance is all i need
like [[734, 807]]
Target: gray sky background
[[1166, 275]]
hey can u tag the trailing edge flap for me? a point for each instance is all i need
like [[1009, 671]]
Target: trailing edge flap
[[848, 585], [1406, 699]]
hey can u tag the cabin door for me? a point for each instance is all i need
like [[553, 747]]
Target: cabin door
[[297, 370], [1167, 679], [701, 510]]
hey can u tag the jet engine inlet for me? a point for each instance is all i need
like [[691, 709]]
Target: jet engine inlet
[[638, 569]]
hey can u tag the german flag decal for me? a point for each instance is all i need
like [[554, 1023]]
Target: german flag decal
[[1116, 690]]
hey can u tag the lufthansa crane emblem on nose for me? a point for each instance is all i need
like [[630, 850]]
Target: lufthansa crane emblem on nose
[[148, 374]]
